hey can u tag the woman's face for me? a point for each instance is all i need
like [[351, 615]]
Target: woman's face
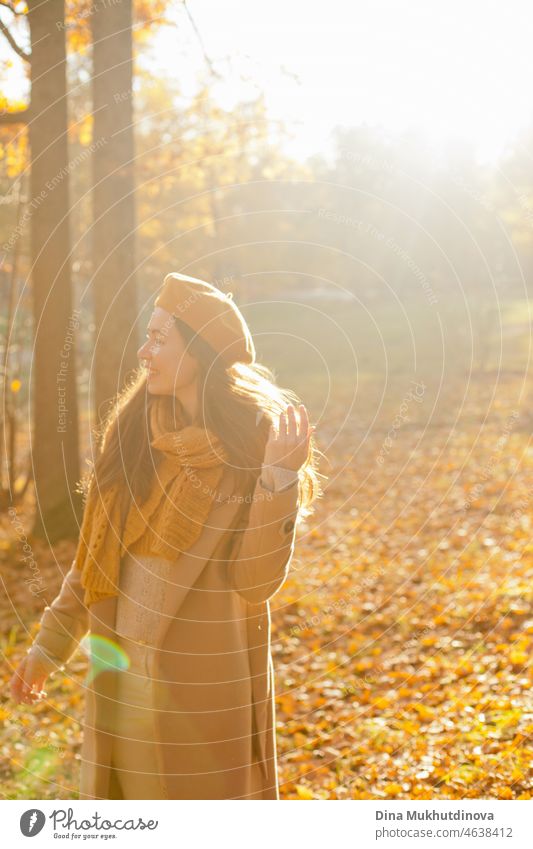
[[170, 367]]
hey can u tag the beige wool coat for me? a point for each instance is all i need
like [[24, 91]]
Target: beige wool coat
[[213, 682]]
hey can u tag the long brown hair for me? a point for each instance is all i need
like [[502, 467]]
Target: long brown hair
[[236, 403]]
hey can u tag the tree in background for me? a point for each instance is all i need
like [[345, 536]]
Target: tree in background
[[52, 399], [55, 449], [113, 230]]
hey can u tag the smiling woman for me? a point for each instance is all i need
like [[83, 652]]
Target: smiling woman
[[172, 370], [189, 528]]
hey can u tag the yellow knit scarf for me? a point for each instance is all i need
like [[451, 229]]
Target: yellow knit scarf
[[188, 466]]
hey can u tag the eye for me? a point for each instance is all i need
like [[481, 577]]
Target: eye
[[158, 337]]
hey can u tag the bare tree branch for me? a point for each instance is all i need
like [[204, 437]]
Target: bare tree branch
[[13, 44], [200, 40]]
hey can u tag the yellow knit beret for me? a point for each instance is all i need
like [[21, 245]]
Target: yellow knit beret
[[211, 313]]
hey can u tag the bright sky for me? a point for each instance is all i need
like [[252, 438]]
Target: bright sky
[[452, 70], [455, 70]]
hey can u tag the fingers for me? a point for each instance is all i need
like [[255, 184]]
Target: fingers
[[33, 693], [304, 422], [299, 431], [288, 442], [24, 690], [292, 427], [37, 694], [306, 431], [14, 691], [17, 681], [295, 429]]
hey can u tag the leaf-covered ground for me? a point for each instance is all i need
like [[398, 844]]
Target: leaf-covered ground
[[402, 639]]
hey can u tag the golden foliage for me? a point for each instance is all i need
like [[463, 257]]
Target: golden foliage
[[403, 667]]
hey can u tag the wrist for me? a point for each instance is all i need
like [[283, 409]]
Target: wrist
[[45, 655], [277, 478]]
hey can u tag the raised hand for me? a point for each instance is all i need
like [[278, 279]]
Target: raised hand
[[288, 445]]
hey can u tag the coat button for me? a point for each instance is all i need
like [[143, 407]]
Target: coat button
[[288, 527]]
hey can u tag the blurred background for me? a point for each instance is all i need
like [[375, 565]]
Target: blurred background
[[360, 177]]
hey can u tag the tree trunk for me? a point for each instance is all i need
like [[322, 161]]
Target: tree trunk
[[113, 247], [55, 449]]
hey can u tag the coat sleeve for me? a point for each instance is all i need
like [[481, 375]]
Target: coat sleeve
[[65, 621], [264, 543]]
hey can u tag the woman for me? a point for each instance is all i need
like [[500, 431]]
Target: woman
[[189, 526]]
